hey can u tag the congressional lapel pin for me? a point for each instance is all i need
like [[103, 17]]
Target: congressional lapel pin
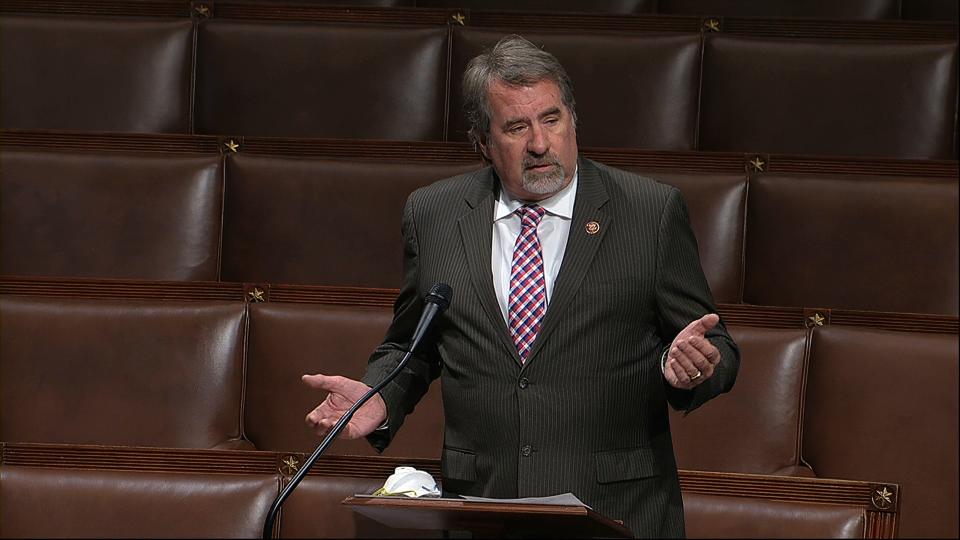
[[592, 227]]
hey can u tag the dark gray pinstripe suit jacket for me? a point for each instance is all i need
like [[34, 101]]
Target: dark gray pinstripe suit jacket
[[587, 412]]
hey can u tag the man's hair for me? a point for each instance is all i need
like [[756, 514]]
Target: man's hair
[[516, 62]]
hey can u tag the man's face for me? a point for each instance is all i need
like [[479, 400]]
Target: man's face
[[532, 141]]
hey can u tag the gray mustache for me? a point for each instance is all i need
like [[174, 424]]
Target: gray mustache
[[527, 163]]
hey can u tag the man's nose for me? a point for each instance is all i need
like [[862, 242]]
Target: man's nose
[[537, 143]]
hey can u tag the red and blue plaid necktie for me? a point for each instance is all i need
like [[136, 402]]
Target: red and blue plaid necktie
[[528, 290]]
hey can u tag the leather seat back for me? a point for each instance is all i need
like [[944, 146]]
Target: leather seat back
[[296, 80], [96, 73], [122, 372], [798, 96], [110, 215]]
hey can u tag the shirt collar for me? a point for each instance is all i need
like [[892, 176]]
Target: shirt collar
[[559, 204]]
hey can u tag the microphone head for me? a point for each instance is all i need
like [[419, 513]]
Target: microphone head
[[440, 295]]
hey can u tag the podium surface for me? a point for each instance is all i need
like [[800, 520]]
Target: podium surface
[[487, 518]]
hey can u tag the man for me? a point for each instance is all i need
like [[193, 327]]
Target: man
[[580, 311]]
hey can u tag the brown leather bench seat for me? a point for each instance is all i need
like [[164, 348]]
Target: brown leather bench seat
[[130, 74], [652, 86], [331, 222], [879, 243], [758, 426], [828, 97], [121, 372], [41, 502], [865, 241], [296, 80], [884, 404], [715, 516], [110, 214], [105, 491], [290, 340]]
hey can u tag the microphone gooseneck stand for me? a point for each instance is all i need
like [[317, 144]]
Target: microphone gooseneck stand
[[437, 300]]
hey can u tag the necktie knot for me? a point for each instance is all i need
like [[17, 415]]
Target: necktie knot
[[530, 216]]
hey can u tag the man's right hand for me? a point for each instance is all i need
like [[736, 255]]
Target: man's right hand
[[343, 393]]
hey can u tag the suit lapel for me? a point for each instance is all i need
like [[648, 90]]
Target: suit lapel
[[476, 233], [581, 248]]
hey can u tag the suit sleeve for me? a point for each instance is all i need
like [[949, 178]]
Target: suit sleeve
[[683, 296], [405, 391]]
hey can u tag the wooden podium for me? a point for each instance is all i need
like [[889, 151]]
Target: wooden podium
[[488, 519]]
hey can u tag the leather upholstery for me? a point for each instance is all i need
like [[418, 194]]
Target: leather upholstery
[[932, 10], [829, 97], [547, 6], [734, 433], [713, 516], [717, 205], [290, 340], [295, 80], [315, 221], [96, 73], [631, 90], [134, 372], [838, 9], [884, 405], [362, 3], [881, 244], [110, 214], [77, 503]]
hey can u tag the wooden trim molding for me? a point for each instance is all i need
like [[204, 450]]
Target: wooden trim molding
[[739, 314], [461, 152]]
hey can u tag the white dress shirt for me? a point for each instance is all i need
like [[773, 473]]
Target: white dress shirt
[[553, 232]]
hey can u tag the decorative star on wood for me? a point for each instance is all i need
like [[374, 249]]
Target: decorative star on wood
[[883, 498], [290, 465]]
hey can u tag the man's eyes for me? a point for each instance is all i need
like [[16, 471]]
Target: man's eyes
[[517, 129]]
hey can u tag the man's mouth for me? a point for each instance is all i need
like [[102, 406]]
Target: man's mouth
[[541, 167]]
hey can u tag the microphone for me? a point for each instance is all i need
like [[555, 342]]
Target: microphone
[[437, 301]]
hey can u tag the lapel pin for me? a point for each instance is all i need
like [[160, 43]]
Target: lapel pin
[[592, 227]]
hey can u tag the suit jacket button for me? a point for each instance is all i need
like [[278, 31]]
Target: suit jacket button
[[524, 383], [526, 451]]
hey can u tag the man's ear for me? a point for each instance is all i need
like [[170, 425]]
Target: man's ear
[[482, 145]]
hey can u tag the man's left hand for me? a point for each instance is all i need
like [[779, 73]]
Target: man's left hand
[[692, 357]]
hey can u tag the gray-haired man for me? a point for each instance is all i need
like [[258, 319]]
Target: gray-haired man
[[581, 312]]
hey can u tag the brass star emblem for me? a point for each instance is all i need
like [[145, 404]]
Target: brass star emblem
[[459, 18], [883, 498], [712, 25], [232, 146], [256, 295], [816, 319], [290, 465], [758, 164], [202, 10]]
